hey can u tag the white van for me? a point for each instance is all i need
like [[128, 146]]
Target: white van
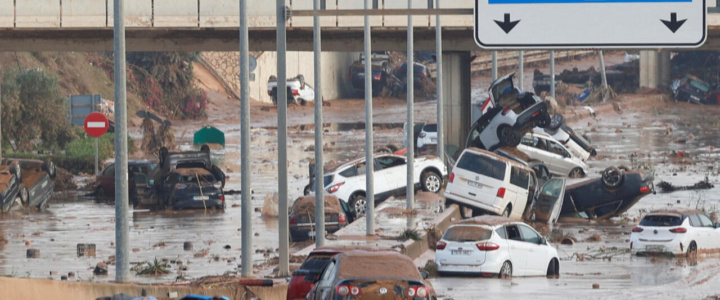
[[487, 182]]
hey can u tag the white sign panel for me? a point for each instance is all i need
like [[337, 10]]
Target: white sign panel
[[526, 24]]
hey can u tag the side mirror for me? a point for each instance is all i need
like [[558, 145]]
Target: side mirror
[[424, 274], [542, 241]]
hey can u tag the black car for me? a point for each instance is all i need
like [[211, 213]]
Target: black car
[[420, 73], [302, 217], [141, 174], [10, 190], [191, 188], [382, 79], [691, 89], [27, 182]]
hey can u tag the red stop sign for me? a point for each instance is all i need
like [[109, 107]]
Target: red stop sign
[[96, 124]]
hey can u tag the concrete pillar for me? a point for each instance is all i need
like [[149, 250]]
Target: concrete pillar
[[665, 68], [649, 70], [456, 95]]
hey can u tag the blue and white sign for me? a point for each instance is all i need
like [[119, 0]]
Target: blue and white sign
[[548, 24]]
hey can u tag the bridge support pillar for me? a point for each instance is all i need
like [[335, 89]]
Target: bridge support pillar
[[654, 68], [456, 97]]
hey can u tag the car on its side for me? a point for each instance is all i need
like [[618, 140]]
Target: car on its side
[[10, 189], [371, 275], [105, 179], [191, 188], [494, 246], [543, 147], [692, 89], [421, 74], [298, 91], [382, 78], [38, 181], [302, 217], [675, 232], [618, 189], [302, 281], [507, 116], [347, 181]]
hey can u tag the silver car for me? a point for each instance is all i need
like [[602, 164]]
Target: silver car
[[555, 156]]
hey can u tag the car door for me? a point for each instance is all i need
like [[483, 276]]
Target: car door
[[107, 180], [708, 233], [559, 158], [393, 172], [534, 147], [549, 201], [536, 256], [519, 250]]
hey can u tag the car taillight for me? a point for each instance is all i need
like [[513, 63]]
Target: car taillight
[[222, 197], [452, 177], [344, 290], [422, 134], [422, 75], [645, 190], [335, 188], [501, 192], [342, 218], [536, 114], [293, 221], [296, 93], [377, 77], [419, 291], [505, 111], [180, 186], [487, 246], [678, 230], [440, 245], [637, 229]]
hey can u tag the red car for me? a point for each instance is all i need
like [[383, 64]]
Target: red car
[[315, 262]]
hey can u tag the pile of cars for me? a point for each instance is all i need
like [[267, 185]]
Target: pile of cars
[[388, 80]]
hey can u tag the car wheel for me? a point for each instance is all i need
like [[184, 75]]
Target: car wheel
[[358, 204], [506, 270], [507, 211], [544, 121], [692, 251], [508, 136], [431, 182], [553, 268], [576, 173], [16, 170], [612, 177], [303, 102], [24, 197], [306, 190], [49, 167]]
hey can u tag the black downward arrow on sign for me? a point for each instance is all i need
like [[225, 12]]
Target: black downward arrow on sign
[[673, 24], [506, 24]]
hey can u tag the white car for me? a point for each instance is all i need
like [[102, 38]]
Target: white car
[[298, 91], [675, 231], [507, 116], [540, 146], [487, 182], [347, 182], [427, 138], [557, 129], [495, 246]]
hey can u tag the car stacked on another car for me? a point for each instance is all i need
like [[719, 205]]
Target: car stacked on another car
[[507, 116], [540, 146], [675, 232], [370, 275], [302, 217], [576, 144], [495, 246], [347, 181]]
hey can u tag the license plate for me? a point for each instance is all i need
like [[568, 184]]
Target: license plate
[[460, 252], [475, 184], [655, 248], [201, 198], [361, 74], [312, 233]]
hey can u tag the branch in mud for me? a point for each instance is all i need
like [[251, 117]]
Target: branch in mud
[[667, 187], [599, 254]]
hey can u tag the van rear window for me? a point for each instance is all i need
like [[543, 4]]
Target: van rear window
[[661, 221], [482, 165], [467, 234]]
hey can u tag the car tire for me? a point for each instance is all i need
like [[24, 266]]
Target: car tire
[[303, 102], [544, 120], [553, 268], [692, 250], [358, 203], [16, 170], [507, 211], [49, 167], [431, 182], [508, 136], [505, 270], [306, 190], [576, 173], [612, 177], [24, 197]]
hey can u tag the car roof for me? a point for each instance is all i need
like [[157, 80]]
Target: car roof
[[306, 204], [376, 264], [674, 211], [487, 220], [354, 161], [341, 249], [498, 157]]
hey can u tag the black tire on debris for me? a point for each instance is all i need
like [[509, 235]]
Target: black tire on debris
[[556, 121], [506, 270], [544, 121], [508, 136], [612, 177], [393, 147]]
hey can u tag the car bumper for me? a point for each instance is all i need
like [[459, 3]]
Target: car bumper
[[301, 233], [658, 248], [474, 203], [189, 202], [531, 117], [484, 268]]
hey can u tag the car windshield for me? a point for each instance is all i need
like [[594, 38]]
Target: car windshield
[[661, 221], [482, 165], [467, 234], [430, 128], [316, 262], [700, 85]]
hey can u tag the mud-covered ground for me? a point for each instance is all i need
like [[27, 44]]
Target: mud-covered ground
[[647, 126]]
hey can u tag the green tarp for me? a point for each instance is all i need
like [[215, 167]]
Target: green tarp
[[209, 135]]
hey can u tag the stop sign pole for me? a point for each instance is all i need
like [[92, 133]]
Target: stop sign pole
[[96, 124]]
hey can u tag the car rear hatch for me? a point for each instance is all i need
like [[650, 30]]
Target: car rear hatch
[[656, 228], [477, 176], [380, 289], [461, 245], [307, 221], [550, 200]]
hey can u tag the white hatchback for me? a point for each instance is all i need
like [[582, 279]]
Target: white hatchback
[[543, 147], [675, 231], [495, 246]]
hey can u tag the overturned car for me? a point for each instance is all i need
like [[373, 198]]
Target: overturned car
[[188, 180], [26, 182]]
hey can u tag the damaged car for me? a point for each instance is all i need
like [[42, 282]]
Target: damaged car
[[302, 217], [675, 232], [192, 188], [140, 181], [542, 147], [26, 182], [298, 91], [507, 116], [386, 274], [693, 90]]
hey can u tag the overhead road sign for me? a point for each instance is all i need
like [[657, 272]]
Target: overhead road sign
[[562, 24]]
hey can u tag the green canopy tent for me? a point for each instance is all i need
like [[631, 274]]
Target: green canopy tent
[[209, 135]]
